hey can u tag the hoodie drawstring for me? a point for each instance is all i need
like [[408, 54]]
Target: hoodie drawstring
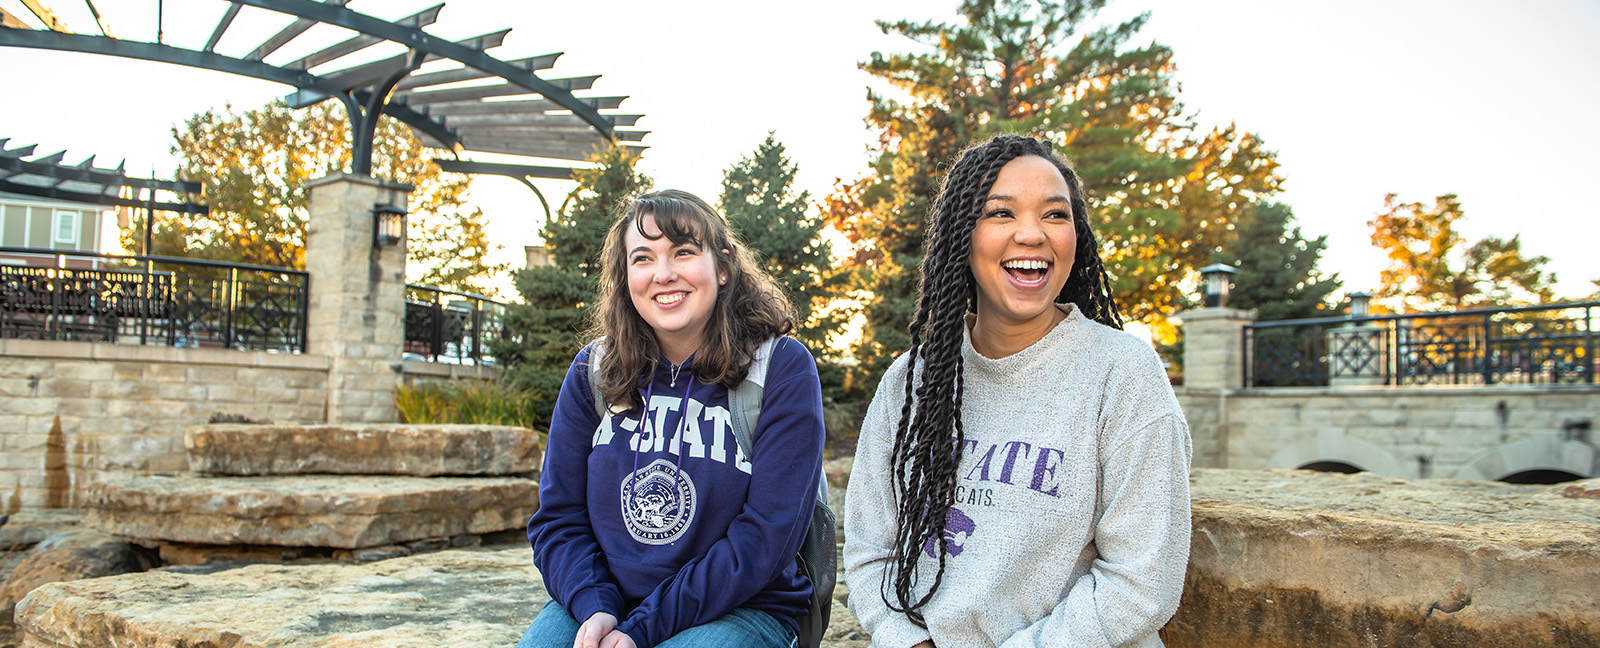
[[650, 432]]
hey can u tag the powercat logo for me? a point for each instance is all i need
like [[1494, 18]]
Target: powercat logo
[[958, 527]]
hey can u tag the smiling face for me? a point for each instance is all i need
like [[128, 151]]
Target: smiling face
[[1023, 244], [673, 287]]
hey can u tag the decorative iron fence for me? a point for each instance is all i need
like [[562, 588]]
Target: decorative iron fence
[[452, 327], [1555, 343], [152, 300]]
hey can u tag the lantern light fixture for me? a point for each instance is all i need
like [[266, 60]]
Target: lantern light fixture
[[1360, 303], [1214, 282], [388, 224]]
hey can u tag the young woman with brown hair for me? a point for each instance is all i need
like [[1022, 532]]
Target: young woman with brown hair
[[654, 528]]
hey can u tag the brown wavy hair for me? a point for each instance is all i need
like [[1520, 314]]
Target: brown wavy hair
[[750, 307]]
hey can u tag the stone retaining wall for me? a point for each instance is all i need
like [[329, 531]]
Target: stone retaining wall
[[1453, 432], [1205, 410], [73, 413], [422, 372], [76, 413]]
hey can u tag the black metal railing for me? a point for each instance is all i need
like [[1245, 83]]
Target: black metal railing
[[152, 300], [449, 326], [1554, 343]]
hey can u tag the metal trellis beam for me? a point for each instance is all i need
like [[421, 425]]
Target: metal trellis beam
[[513, 111]]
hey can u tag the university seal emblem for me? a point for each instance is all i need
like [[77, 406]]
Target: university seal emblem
[[658, 503]]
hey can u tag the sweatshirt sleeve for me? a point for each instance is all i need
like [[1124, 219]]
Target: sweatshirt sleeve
[[1142, 531], [870, 515], [764, 537], [564, 546]]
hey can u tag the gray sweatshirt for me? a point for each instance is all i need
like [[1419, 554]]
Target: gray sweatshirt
[[1071, 520]]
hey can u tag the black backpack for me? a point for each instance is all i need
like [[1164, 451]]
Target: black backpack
[[818, 556]]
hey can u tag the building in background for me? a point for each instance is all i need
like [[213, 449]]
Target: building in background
[[43, 224]]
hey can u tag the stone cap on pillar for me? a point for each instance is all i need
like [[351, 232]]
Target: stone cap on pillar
[[362, 179], [1214, 313]]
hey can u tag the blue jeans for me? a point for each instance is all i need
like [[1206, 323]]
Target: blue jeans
[[554, 628]]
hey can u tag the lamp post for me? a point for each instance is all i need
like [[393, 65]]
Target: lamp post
[[1358, 350], [1360, 304], [388, 224], [1214, 282]]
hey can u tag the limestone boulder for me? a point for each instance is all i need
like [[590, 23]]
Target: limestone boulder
[[1587, 488], [77, 536], [1298, 558], [837, 472], [348, 512], [72, 555], [843, 629], [459, 598], [27, 527], [175, 554], [362, 449]]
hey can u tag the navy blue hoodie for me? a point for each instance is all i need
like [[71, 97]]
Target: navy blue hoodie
[[658, 524]]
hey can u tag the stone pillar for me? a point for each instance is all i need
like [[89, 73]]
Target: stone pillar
[[357, 312], [1212, 353], [1356, 356]]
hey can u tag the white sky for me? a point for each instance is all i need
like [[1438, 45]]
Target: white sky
[[1493, 101]]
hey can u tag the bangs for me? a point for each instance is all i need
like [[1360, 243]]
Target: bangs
[[680, 221]]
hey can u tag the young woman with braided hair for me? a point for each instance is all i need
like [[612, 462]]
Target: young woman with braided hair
[[1022, 473]]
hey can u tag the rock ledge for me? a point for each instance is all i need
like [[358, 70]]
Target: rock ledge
[[346, 512], [450, 598], [362, 449]]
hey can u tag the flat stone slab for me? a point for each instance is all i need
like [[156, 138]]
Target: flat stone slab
[[346, 512], [458, 598], [1287, 558], [1279, 559], [362, 449], [28, 527]]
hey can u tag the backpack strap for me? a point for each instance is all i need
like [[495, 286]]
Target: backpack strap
[[745, 400], [597, 350]]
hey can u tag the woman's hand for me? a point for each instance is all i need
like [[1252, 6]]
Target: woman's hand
[[616, 639], [594, 632]]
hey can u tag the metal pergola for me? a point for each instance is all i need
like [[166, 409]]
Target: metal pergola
[[482, 104], [47, 176]]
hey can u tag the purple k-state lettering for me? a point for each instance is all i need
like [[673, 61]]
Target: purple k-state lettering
[[1043, 467], [1015, 459], [982, 464], [1011, 457]]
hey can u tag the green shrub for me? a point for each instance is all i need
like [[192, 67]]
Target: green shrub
[[468, 401]]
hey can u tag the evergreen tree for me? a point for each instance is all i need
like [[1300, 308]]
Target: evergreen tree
[[1162, 194], [550, 321], [254, 166], [1430, 270], [1277, 267], [760, 202]]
